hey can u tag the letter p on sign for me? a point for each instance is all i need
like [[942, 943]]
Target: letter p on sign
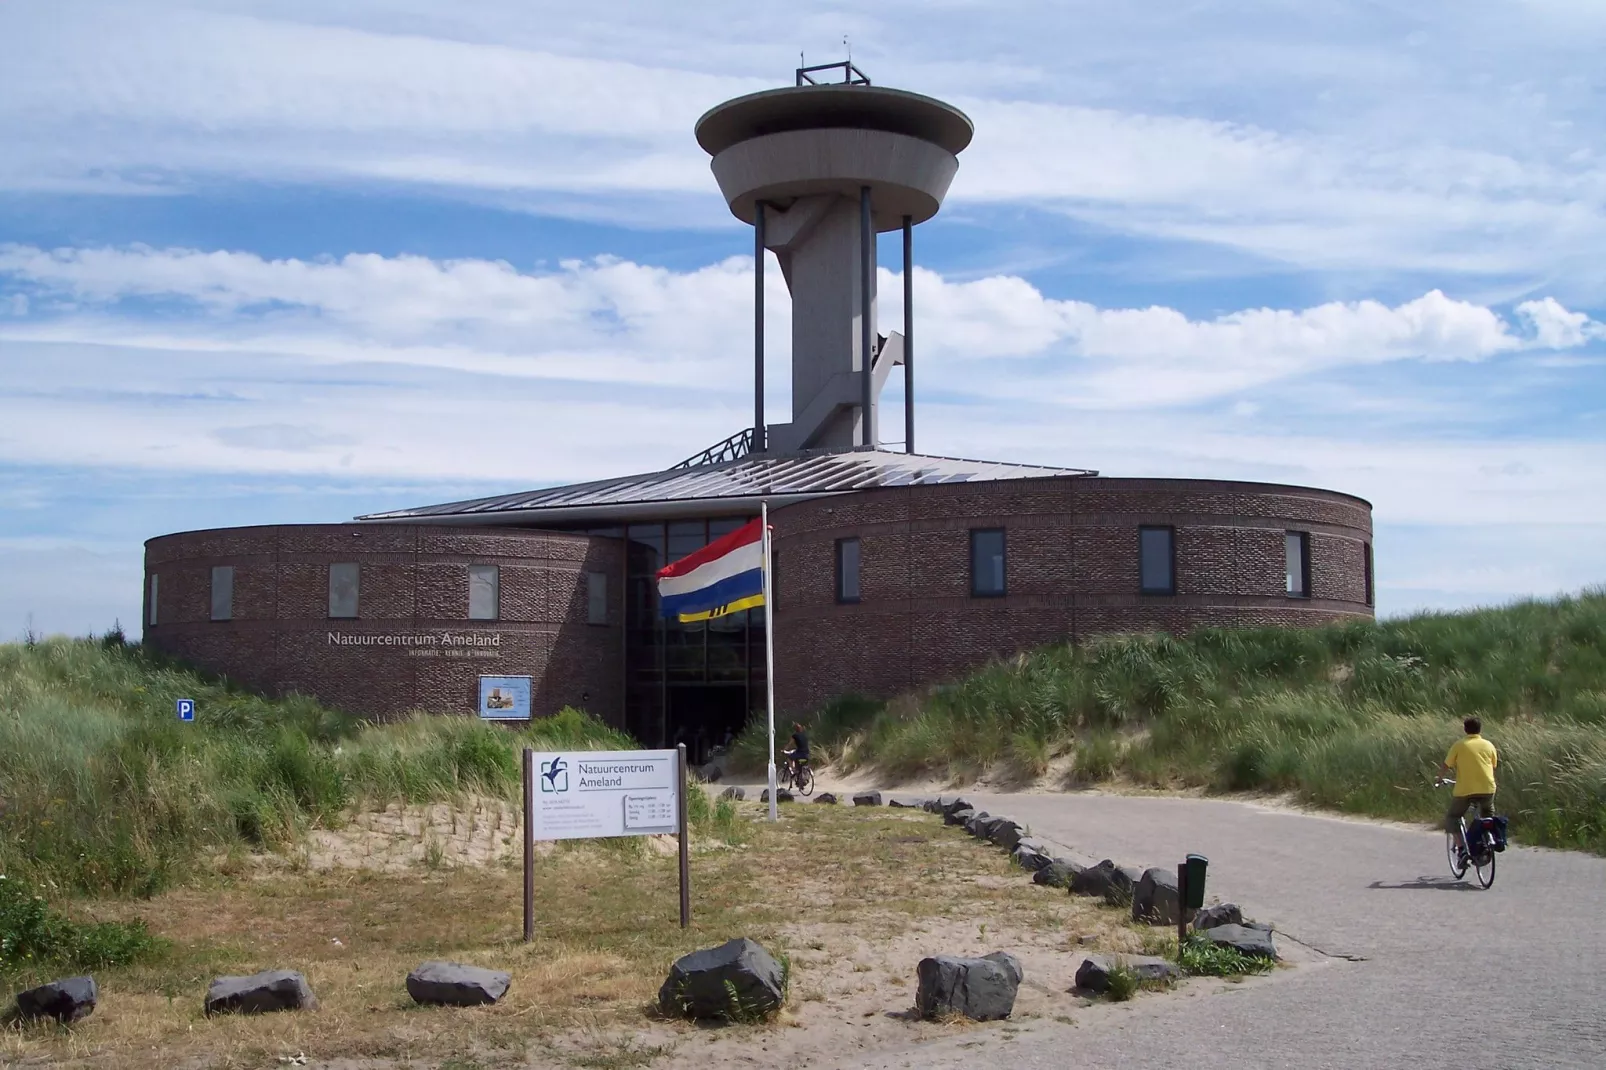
[[186, 709]]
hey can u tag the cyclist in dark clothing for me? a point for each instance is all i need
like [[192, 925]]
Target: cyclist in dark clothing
[[798, 755]]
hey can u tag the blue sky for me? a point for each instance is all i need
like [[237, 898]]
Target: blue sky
[[290, 261]]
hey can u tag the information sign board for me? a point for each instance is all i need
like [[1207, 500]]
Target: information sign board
[[505, 698], [586, 794]]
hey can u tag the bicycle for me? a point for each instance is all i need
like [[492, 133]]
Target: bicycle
[[1481, 845], [795, 774]]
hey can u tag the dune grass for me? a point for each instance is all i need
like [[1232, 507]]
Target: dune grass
[[105, 791], [1354, 716]]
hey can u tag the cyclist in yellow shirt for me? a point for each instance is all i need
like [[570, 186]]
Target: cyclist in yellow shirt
[[1472, 762]]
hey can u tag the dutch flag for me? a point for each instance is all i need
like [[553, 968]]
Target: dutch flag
[[726, 576]]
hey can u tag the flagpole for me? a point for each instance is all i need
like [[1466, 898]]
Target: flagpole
[[769, 651]]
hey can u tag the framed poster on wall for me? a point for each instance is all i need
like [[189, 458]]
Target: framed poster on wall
[[505, 698]]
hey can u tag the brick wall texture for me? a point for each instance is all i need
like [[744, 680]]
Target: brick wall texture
[[1071, 573], [414, 581]]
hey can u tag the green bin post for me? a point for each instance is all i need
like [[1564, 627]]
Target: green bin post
[[1190, 893]]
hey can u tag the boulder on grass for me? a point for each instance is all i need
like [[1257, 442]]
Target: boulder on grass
[[907, 802], [1094, 973], [954, 803], [867, 798], [710, 773], [958, 817], [1030, 858], [825, 797], [781, 795], [982, 990], [1006, 833], [455, 985], [734, 792], [1059, 873], [737, 981], [1097, 880], [979, 823], [1155, 899], [1251, 940], [1123, 882], [270, 990], [66, 1000], [1221, 914]]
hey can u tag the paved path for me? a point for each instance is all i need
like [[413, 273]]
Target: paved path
[[1438, 974]]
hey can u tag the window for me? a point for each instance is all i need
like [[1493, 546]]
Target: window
[[1371, 593], [1157, 560], [987, 563], [596, 598], [151, 611], [847, 570], [484, 592], [343, 589], [222, 592], [1296, 554]]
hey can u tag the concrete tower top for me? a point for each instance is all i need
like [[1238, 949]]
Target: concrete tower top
[[783, 144]]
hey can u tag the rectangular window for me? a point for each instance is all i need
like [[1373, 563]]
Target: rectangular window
[[847, 570], [151, 612], [343, 581], [222, 592], [1156, 560], [1296, 556], [484, 592], [1371, 593], [987, 563], [596, 598]]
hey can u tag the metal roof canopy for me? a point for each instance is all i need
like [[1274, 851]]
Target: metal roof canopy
[[735, 487]]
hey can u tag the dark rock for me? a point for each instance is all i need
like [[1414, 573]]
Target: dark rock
[[867, 798], [1155, 899], [456, 985], [66, 1000], [933, 806], [1006, 833], [1096, 880], [734, 792], [979, 823], [1251, 940], [958, 817], [1123, 882], [1222, 914], [736, 981], [825, 797], [954, 803], [979, 989], [907, 802], [781, 795], [710, 773], [1094, 973], [1030, 858], [270, 990], [1059, 873]]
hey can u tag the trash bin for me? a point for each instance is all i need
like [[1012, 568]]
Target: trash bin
[[1195, 866]]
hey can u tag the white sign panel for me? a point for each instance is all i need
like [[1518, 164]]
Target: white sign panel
[[590, 794]]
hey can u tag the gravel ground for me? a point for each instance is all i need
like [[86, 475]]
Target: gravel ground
[[1427, 972]]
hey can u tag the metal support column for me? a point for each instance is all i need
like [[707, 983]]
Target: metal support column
[[758, 330], [908, 335], [866, 261]]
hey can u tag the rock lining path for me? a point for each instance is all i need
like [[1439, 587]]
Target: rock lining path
[[1427, 974]]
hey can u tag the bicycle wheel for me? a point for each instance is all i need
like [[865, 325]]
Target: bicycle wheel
[[1458, 862], [1485, 867], [805, 780]]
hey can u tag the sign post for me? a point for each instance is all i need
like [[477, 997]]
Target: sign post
[[574, 795], [769, 653]]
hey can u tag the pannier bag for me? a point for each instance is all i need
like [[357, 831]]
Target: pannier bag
[[1496, 827]]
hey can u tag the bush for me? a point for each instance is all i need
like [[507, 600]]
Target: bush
[[1123, 983], [1203, 957], [34, 938]]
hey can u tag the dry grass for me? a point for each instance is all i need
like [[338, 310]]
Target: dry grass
[[852, 898]]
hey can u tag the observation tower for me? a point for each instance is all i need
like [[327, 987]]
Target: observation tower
[[819, 169]]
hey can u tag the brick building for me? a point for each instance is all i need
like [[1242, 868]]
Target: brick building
[[893, 570]]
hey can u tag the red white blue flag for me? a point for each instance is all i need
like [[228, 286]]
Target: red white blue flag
[[726, 576]]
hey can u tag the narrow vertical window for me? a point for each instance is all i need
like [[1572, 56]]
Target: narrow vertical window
[[151, 611], [847, 570], [343, 583], [1157, 560], [484, 592], [596, 598], [987, 563], [1296, 554], [1371, 592], [222, 592]]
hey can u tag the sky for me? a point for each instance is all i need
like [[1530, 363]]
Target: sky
[[294, 261]]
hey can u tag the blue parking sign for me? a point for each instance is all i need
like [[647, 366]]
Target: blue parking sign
[[186, 709]]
